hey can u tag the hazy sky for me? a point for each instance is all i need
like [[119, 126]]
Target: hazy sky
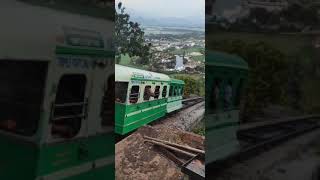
[[166, 8]]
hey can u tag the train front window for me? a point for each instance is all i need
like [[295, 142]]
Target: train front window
[[134, 94], [171, 91], [21, 95], [215, 94], [175, 91], [69, 106], [239, 93], [157, 92], [164, 91], [121, 89], [228, 94]]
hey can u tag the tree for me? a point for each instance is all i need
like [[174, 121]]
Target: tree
[[129, 37]]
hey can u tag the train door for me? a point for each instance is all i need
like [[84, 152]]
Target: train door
[[66, 132], [69, 111], [221, 118]]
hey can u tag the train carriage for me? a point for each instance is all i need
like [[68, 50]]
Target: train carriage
[[53, 75], [141, 97], [175, 95], [226, 76]]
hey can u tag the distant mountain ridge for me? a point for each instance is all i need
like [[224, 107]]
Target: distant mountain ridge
[[147, 20]]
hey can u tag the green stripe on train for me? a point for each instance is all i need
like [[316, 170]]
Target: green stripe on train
[[131, 117], [48, 159], [82, 51]]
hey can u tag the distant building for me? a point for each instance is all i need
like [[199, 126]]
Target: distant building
[[179, 63]]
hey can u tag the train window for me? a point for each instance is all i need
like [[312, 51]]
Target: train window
[[228, 94], [171, 91], [147, 93], [121, 89], [239, 93], [134, 94], [175, 91], [182, 91], [215, 94], [107, 110], [69, 106], [157, 92], [164, 91], [21, 94]]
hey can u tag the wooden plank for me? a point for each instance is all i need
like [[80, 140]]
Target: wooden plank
[[177, 145], [171, 148]]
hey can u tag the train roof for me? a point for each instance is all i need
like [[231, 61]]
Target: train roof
[[216, 58], [126, 74], [34, 32], [176, 81]]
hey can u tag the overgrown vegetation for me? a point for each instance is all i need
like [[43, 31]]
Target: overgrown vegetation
[[200, 128], [276, 76], [129, 38], [194, 85]]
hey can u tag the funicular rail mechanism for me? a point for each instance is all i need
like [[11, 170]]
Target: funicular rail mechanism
[[259, 138]]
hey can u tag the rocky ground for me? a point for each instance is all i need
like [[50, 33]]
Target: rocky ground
[[139, 160]]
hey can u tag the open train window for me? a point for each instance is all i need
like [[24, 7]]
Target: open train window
[[215, 94], [69, 107], [121, 89], [164, 91], [171, 91], [107, 110], [175, 91], [239, 93], [134, 94], [147, 93], [21, 94], [157, 92], [228, 94]]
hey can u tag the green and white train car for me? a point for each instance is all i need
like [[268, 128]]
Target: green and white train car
[[175, 95], [141, 97], [226, 76], [53, 76]]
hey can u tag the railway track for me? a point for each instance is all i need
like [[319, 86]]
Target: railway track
[[256, 139], [191, 101]]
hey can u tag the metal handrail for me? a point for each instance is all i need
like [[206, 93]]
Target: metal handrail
[[68, 117]]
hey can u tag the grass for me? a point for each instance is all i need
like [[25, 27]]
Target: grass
[[200, 128], [76, 7], [189, 50], [198, 58], [125, 59], [197, 77]]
